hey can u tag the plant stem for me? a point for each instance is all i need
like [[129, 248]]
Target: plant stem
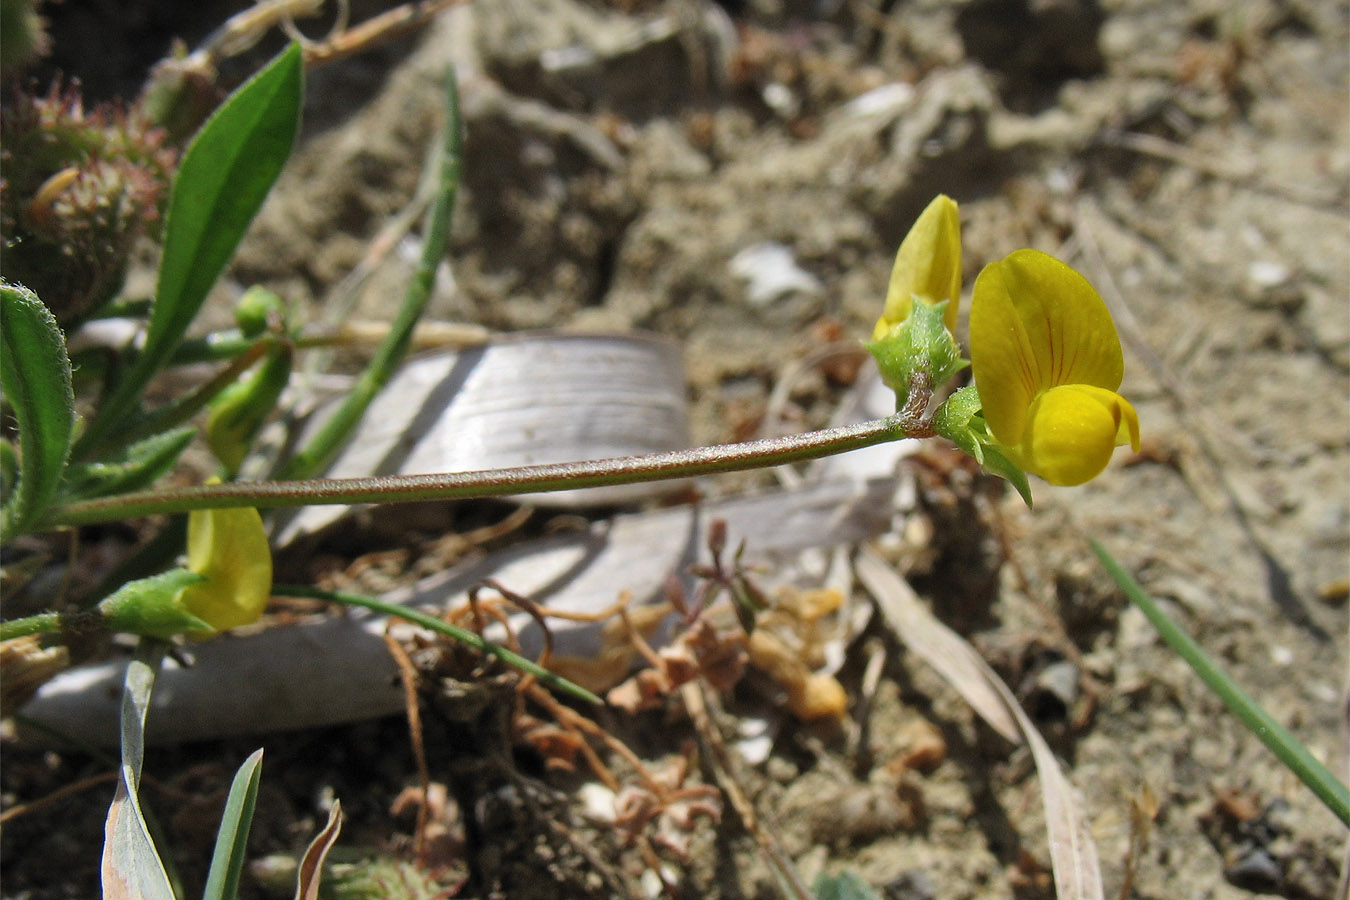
[[463, 635], [492, 482], [1274, 735], [78, 622], [42, 623]]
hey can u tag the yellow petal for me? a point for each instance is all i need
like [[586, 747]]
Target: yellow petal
[[928, 266], [1001, 357], [1072, 431], [1068, 326], [229, 548]]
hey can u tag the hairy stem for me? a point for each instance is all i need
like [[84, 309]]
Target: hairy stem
[[494, 482]]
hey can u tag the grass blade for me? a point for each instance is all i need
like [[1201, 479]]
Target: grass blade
[[224, 177], [222, 882], [463, 635], [319, 452], [310, 875], [1275, 736], [35, 378]]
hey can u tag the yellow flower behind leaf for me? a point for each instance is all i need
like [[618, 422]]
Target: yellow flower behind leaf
[[1048, 363], [228, 548], [928, 266]]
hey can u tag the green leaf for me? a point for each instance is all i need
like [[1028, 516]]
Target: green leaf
[[9, 467], [846, 885], [222, 882], [132, 869], [134, 467], [1328, 788], [35, 378], [222, 181]]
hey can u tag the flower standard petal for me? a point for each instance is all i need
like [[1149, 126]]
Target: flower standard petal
[[927, 265], [1001, 356], [1068, 326]]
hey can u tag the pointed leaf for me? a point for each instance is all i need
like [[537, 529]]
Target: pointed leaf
[[222, 882], [131, 868], [224, 177], [35, 378], [132, 469]]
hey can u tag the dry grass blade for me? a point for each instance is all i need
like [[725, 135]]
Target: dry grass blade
[[1073, 854], [311, 865], [943, 649]]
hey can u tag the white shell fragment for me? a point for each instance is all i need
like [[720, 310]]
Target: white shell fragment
[[519, 400], [339, 670], [771, 272]]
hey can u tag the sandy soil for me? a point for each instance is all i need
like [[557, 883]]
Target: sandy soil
[[1191, 158]]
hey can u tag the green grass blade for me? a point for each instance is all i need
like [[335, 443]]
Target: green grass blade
[[222, 181], [35, 378], [315, 456], [430, 622], [1275, 736], [222, 882]]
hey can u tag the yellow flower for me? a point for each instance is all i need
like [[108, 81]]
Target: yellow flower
[[927, 266], [1047, 362], [227, 547]]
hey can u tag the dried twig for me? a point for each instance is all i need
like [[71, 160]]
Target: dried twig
[[408, 675]]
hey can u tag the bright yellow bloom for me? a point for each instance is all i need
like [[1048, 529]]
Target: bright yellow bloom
[[927, 266], [228, 547], [1047, 363]]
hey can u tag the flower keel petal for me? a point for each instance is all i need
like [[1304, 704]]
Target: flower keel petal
[[1072, 431]]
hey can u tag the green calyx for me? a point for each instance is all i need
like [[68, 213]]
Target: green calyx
[[959, 421], [151, 607], [919, 344]]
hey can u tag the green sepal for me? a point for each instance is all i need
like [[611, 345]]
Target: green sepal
[[959, 421], [955, 420], [150, 607], [921, 343], [995, 463], [131, 469]]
